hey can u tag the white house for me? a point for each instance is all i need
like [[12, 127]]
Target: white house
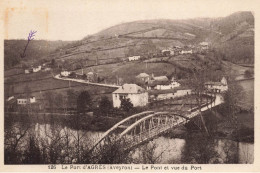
[[204, 45], [137, 95], [134, 58], [168, 51], [36, 69], [65, 73], [168, 85], [186, 52], [143, 77], [47, 69], [26, 71], [218, 87], [178, 93], [23, 101], [182, 92]]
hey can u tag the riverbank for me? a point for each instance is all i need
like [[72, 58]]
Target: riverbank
[[82, 122], [220, 127]]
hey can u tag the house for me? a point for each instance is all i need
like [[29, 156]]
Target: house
[[182, 92], [186, 52], [137, 95], [178, 93], [47, 69], [24, 101], [204, 45], [163, 85], [160, 78], [167, 52], [217, 87], [36, 69], [143, 77], [92, 77], [65, 73], [26, 71], [134, 58]]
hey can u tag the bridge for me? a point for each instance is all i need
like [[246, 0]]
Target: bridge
[[145, 126]]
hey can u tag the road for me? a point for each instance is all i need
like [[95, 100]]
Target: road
[[85, 82]]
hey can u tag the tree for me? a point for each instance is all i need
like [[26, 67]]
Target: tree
[[200, 150], [197, 82], [72, 74], [50, 98], [84, 76], [83, 102], [126, 104], [53, 62], [33, 154], [105, 105]]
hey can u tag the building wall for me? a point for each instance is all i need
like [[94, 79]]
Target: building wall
[[221, 88], [136, 99], [133, 58], [65, 73], [166, 87], [181, 93], [21, 101]]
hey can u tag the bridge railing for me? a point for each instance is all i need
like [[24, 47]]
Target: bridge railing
[[111, 130]]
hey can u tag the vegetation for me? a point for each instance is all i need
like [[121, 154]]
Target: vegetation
[[105, 105], [126, 104], [83, 102]]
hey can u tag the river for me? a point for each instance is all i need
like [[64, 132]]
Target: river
[[166, 150], [170, 149]]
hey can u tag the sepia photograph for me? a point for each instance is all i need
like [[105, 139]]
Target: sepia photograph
[[93, 82]]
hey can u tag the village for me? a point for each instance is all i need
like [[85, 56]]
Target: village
[[145, 88], [150, 90]]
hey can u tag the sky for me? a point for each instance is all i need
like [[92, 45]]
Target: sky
[[75, 19]]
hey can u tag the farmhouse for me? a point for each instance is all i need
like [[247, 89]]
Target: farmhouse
[[23, 101], [137, 95], [92, 76], [134, 58], [65, 73], [143, 77], [161, 78], [26, 71], [36, 69], [217, 86], [163, 85], [186, 52], [167, 52], [204, 45]]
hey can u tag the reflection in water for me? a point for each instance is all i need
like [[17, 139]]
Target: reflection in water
[[165, 150]]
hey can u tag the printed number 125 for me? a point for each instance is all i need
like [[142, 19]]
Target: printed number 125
[[52, 167]]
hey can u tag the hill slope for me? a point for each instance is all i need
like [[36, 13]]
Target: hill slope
[[232, 37]]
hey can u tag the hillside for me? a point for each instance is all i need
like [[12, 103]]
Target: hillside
[[231, 37], [36, 50]]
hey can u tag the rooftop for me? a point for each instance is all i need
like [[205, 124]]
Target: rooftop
[[142, 75], [204, 43], [161, 78], [214, 83], [129, 89]]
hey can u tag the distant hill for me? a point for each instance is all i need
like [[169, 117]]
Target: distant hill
[[36, 50], [231, 37]]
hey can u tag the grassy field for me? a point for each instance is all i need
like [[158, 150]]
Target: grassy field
[[13, 71], [55, 85], [128, 70]]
